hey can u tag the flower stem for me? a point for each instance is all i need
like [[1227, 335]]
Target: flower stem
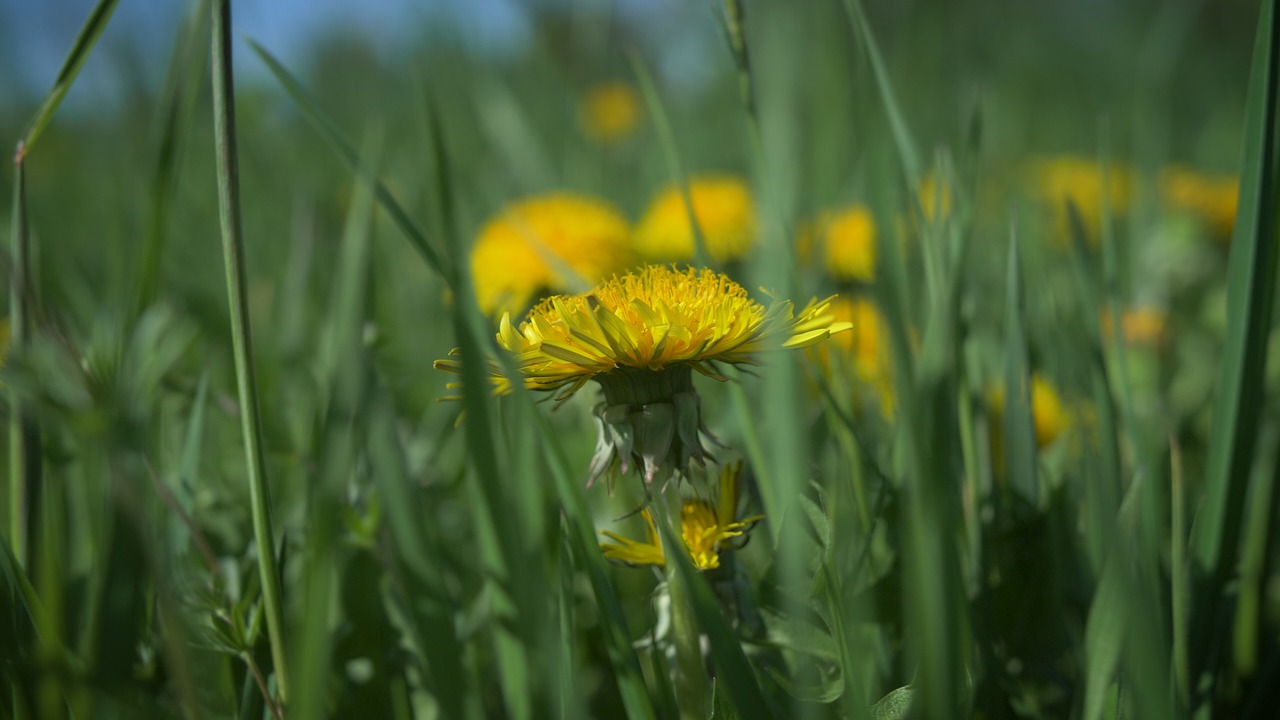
[[688, 679]]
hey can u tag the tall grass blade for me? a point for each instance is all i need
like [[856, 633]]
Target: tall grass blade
[[85, 40], [1019, 429], [24, 434], [233, 248], [1251, 289]]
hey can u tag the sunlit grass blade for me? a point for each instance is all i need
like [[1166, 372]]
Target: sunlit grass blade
[[329, 130], [85, 40], [233, 248]]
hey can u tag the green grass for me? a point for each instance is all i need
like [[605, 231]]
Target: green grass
[[242, 496]]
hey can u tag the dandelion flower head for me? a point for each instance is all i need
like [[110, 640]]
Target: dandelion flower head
[[1083, 183], [546, 243], [847, 242], [725, 214]]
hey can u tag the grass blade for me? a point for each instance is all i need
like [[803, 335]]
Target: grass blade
[[1251, 289], [1019, 430], [224, 117], [88, 37]]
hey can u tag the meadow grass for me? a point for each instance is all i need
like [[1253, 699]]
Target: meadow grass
[[239, 494]]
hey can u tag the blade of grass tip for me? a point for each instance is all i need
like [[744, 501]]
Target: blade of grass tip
[[1019, 430], [25, 467], [181, 91], [1251, 278], [241, 334], [329, 130], [733, 670], [85, 40], [666, 138], [342, 369], [1253, 568]]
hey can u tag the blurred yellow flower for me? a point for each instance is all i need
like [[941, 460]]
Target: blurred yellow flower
[[640, 335], [1081, 182], [540, 244], [867, 346], [609, 112], [1212, 198], [847, 241], [725, 212], [706, 528], [1139, 326], [1048, 413]]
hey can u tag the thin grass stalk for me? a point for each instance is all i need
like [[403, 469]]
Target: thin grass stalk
[[24, 434], [242, 336]]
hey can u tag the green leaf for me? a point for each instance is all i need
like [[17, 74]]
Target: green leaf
[[894, 706]]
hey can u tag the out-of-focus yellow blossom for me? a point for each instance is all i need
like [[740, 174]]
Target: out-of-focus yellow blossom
[[540, 244], [1212, 198], [609, 112], [1081, 182], [1144, 326], [726, 216], [847, 242], [706, 528], [867, 347], [1048, 414]]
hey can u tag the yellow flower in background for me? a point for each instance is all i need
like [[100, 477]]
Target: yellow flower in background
[[847, 241], [1212, 198], [867, 346], [706, 528], [1081, 182], [1048, 414], [640, 335], [1142, 326], [609, 112], [552, 243], [725, 213]]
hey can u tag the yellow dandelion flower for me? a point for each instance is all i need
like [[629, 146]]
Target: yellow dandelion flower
[[1212, 198], [706, 529], [639, 335], [609, 112], [725, 214], [1139, 326], [847, 239], [1048, 413], [546, 243], [1081, 182]]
